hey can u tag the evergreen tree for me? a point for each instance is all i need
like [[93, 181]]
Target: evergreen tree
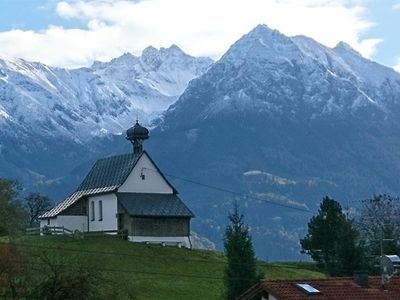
[[332, 241], [241, 271]]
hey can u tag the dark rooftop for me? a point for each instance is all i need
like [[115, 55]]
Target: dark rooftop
[[110, 171], [107, 175], [155, 205]]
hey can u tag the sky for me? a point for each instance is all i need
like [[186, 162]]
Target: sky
[[74, 33]]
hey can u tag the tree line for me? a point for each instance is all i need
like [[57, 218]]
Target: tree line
[[17, 212], [343, 243]]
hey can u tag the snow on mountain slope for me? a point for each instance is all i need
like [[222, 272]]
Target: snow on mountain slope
[[86, 102], [266, 71], [343, 61]]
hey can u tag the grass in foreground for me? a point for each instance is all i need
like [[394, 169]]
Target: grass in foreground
[[155, 272]]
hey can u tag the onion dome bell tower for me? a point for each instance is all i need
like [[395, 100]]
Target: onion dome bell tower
[[136, 135]]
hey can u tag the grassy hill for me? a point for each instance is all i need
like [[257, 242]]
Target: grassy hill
[[152, 271]]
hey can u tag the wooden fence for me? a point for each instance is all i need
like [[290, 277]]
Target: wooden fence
[[61, 230], [48, 230]]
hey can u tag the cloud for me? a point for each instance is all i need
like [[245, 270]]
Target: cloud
[[199, 27], [368, 47], [397, 67], [396, 6]]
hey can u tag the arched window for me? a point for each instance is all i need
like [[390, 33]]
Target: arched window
[[100, 210], [92, 210]]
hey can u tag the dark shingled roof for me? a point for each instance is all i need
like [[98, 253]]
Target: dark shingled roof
[[110, 171], [154, 205], [107, 175]]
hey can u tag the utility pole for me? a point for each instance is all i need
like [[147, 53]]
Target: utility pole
[[383, 272]]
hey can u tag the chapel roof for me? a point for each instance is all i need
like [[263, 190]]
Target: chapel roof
[[107, 175], [109, 172], [154, 205]]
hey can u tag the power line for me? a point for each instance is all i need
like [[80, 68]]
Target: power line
[[213, 187]]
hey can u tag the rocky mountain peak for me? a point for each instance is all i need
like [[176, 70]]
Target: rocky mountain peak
[[174, 49], [262, 30], [151, 57], [343, 46], [126, 59], [154, 57], [149, 52], [262, 43]]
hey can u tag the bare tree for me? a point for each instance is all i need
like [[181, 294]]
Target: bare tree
[[36, 205], [380, 220]]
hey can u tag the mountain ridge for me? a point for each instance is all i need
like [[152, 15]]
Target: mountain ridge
[[283, 54], [71, 115], [101, 98], [287, 107]]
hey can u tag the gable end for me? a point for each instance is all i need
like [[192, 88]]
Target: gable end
[[146, 177]]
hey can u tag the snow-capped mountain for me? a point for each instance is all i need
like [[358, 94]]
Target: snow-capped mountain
[[87, 102], [54, 119], [285, 120], [277, 119], [268, 72]]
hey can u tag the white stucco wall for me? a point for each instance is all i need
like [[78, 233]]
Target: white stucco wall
[[53, 222], [73, 222], [153, 182], [110, 221]]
